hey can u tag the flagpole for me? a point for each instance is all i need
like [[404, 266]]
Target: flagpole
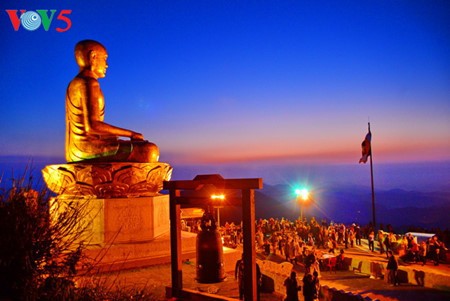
[[373, 190]]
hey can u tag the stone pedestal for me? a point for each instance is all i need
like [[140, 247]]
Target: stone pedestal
[[123, 218], [118, 220]]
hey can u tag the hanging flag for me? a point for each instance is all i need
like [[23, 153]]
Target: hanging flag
[[366, 149]]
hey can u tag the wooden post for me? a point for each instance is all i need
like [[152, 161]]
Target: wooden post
[[175, 245], [197, 193], [248, 221]]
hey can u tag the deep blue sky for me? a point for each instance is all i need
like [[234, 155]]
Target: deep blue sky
[[241, 81]]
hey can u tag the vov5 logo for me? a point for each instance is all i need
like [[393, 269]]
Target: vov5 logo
[[32, 20]]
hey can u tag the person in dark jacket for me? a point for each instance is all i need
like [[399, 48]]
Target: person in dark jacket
[[392, 267], [292, 287], [239, 275], [309, 287]]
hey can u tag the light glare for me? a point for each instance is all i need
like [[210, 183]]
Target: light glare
[[220, 197], [302, 193]]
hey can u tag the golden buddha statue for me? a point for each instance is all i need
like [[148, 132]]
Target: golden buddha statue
[[88, 137]]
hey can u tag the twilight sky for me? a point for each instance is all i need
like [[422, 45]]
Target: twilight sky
[[240, 81]]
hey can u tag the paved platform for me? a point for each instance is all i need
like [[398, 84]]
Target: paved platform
[[429, 275], [125, 256], [155, 278]]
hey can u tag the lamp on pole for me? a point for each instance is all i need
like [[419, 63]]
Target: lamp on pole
[[220, 198], [302, 198]]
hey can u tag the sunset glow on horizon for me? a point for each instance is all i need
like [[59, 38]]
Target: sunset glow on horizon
[[230, 82]]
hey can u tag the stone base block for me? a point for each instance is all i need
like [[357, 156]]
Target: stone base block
[[119, 220], [124, 232]]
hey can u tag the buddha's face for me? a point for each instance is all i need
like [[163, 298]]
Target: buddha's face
[[98, 62]]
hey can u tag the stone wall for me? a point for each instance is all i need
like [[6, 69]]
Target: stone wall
[[274, 275]]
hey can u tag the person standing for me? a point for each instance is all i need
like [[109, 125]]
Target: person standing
[[381, 241], [259, 239], [387, 244], [310, 260], [392, 267], [293, 250], [316, 285], [434, 249], [346, 238], [372, 241], [351, 236], [292, 287], [266, 247], [274, 241], [358, 235], [287, 248], [423, 253], [315, 265], [331, 245], [239, 275], [281, 242], [309, 287]]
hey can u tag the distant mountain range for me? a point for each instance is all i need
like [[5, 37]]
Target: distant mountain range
[[353, 204], [345, 201]]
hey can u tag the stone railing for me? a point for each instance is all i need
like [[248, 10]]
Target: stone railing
[[274, 275]]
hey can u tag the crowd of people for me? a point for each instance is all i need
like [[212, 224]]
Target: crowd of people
[[305, 242], [311, 287], [410, 250], [295, 239]]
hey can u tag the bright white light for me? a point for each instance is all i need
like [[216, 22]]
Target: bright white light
[[220, 197], [302, 193]]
